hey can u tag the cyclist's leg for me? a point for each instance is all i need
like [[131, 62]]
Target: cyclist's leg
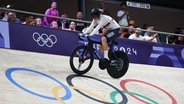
[[109, 36], [105, 47], [101, 48]]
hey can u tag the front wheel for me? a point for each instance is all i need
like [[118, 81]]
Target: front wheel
[[122, 65], [81, 60]]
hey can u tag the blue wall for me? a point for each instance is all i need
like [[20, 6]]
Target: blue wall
[[54, 41]]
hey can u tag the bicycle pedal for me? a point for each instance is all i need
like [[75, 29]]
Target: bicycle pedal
[[104, 63]]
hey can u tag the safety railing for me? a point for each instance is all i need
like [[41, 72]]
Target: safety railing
[[42, 15], [76, 20], [158, 32]]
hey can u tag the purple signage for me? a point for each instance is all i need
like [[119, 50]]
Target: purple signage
[[2, 41], [54, 41], [4, 35], [39, 39], [148, 52], [153, 53]]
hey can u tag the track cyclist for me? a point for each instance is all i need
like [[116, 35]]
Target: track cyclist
[[103, 21]]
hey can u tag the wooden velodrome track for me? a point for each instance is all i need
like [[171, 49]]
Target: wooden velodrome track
[[37, 78]]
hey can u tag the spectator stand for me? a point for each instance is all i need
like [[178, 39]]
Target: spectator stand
[[70, 19]]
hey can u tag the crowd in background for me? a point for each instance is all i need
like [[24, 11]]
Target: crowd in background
[[124, 20]]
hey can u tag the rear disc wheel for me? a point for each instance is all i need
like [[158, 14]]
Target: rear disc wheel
[[122, 65]]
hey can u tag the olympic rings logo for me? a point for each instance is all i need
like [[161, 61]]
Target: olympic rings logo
[[87, 93], [44, 39]]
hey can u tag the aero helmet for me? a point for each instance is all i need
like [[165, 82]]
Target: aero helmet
[[95, 13]]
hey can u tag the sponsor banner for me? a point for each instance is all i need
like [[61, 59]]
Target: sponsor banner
[[4, 35], [148, 52], [39, 39]]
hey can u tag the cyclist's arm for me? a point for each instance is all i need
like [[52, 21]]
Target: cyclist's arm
[[90, 28], [102, 23]]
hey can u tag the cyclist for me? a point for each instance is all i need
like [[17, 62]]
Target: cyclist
[[103, 21]]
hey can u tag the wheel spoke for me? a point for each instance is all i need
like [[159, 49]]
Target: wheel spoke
[[78, 54], [80, 63]]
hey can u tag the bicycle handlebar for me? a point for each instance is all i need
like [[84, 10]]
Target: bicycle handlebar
[[83, 37]]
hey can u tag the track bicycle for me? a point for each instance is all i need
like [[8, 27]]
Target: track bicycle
[[82, 58]]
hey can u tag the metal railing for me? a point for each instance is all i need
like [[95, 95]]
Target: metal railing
[[159, 32], [43, 15]]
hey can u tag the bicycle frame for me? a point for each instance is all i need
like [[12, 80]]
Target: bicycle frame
[[90, 47]]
